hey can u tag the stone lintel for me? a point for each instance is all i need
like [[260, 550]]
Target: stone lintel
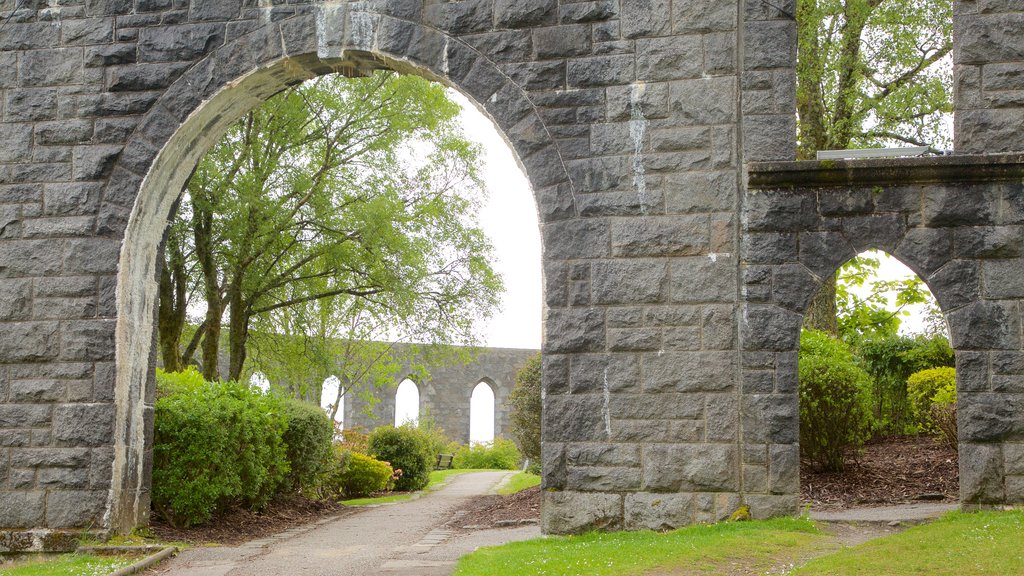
[[884, 171]]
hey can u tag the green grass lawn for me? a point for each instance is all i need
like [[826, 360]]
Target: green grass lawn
[[437, 479], [519, 482], [698, 548], [960, 544], [70, 565]]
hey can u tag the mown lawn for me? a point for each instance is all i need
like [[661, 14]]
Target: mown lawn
[[959, 544], [70, 565], [519, 482], [697, 548]]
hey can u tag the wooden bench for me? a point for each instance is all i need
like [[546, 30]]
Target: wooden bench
[[444, 461]]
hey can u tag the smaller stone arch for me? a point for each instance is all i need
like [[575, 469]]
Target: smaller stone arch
[[956, 227]]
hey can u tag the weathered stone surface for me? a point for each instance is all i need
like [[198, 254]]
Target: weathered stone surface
[[690, 468], [981, 471], [657, 511], [676, 267], [578, 512]]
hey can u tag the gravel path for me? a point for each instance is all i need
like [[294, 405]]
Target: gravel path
[[401, 539]]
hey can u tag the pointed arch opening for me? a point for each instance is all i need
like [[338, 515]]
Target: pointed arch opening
[[481, 414], [877, 397], [407, 403]]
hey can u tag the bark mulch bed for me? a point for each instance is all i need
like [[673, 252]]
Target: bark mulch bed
[[238, 525], [898, 470], [517, 509]]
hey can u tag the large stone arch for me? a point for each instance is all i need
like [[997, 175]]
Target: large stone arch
[[192, 113]]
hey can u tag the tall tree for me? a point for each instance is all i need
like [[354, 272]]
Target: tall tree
[[355, 188], [870, 73]]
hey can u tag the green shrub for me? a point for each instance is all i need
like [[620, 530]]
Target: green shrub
[[355, 440], [215, 444], [500, 455], [330, 485], [363, 476], [890, 360], [922, 388], [436, 438], [944, 416], [308, 444], [835, 401], [524, 402], [407, 449]]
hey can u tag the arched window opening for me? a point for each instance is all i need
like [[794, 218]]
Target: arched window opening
[[481, 414], [407, 403], [878, 396], [331, 402]]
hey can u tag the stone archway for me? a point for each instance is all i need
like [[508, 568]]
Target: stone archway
[[197, 108], [956, 227]]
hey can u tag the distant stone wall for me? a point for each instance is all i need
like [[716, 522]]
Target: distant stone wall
[[447, 391]]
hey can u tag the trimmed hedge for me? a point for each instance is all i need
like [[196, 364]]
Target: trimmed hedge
[[406, 449], [922, 387]]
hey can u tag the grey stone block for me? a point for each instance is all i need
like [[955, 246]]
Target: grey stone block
[[578, 512], [22, 509], [75, 508], [703, 279], [981, 474], [691, 468], [83, 424], [657, 511], [689, 372], [629, 282], [659, 236]]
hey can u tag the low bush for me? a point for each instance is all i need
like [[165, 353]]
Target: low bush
[[407, 449], [835, 401], [363, 476], [308, 441], [355, 440], [437, 440], [501, 455], [215, 444], [922, 388], [943, 412]]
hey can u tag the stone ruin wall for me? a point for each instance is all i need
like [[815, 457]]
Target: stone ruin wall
[[672, 299]]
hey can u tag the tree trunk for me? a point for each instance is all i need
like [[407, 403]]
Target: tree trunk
[[238, 332], [173, 306], [821, 314], [202, 226]]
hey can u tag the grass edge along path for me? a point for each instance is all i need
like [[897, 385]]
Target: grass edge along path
[[630, 553], [438, 478], [519, 482], [70, 565], [958, 544]]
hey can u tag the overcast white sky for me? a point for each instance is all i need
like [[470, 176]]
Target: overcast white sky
[[510, 220]]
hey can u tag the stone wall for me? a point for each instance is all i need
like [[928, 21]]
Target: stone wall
[[446, 391], [669, 321]]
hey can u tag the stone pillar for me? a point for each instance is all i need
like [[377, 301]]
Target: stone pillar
[[988, 56]]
